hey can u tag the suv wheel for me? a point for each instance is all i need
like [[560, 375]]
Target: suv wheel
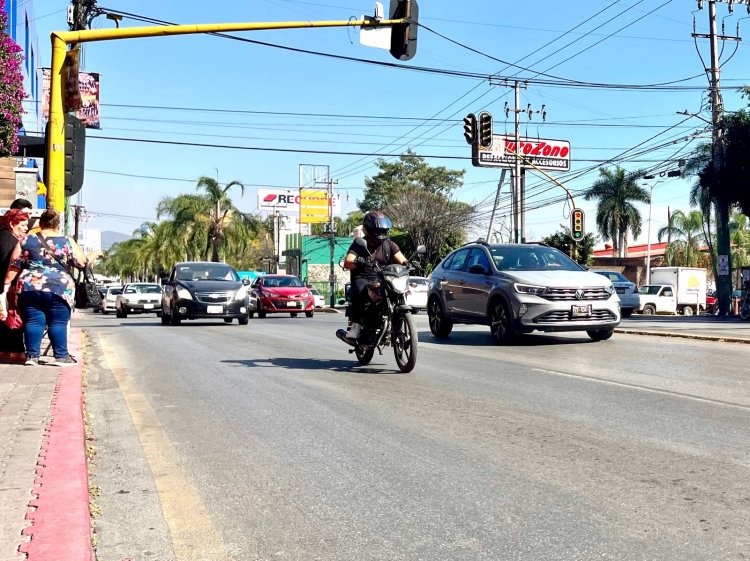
[[500, 323], [440, 325], [601, 334]]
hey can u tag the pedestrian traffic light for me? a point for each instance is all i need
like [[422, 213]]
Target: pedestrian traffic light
[[404, 36], [485, 129], [470, 128], [75, 152], [576, 225]]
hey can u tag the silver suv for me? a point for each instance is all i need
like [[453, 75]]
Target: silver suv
[[520, 288]]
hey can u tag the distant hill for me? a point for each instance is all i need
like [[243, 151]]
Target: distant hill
[[109, 238]]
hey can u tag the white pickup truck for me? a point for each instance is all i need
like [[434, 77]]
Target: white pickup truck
[[674, 290]]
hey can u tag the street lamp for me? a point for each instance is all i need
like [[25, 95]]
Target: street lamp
[[648, 235]]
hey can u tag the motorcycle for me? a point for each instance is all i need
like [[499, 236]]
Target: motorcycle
[[386, 319]]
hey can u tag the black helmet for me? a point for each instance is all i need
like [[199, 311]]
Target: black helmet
[[377, 224]]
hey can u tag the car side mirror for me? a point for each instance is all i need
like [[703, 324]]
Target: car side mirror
[[421, 250], [164, 280], [246, 282], [478, 269]]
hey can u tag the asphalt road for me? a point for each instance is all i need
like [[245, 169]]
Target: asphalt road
[[268, 442]]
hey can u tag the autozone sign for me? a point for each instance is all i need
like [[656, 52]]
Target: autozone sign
[[549, 155], [287, 199]]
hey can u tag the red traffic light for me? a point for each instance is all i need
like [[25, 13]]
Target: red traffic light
[[576, 224]]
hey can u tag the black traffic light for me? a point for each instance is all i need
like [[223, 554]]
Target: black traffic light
[[576, 225], [470, 128], [404, 36], [75, 154], [485, 129]]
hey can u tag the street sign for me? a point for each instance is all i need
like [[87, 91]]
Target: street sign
[[545, 154], [723, 265]]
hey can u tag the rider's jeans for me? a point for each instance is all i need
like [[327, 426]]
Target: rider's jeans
[[358, 293]]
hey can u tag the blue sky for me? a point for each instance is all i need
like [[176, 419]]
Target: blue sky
[[218, 91]]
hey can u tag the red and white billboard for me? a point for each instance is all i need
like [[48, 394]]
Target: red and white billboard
[[288, 200], [545, 154]]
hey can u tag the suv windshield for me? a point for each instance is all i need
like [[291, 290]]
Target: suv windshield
[[202, 272], [531, 258]]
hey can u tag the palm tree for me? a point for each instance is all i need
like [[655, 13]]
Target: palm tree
[[701, 197], [616, 215], [739, 232], [686, 233], [209, 220]]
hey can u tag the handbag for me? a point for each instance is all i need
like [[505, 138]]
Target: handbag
[[87, 295], [14, 320]]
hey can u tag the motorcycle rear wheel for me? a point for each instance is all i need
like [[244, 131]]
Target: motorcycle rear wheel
[[405, 342], [364, 355]]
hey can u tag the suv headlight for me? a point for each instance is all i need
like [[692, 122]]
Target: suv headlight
[[530, 289], [241, 293], [183, 293], [611, 289]]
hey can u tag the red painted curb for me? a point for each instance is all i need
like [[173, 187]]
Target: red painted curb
[[61, 522]]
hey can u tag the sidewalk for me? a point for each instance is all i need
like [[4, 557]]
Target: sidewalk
[[710, 328], [44, 495]]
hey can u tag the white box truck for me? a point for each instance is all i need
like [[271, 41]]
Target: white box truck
[[680, 290]]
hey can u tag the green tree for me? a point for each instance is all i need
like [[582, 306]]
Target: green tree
[[616, 215], [417, 199], [686, 233], [409, 171], [582, 252], [209, 218], [739, 231]]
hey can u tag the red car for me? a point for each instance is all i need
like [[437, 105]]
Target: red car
[[711, 301], [282, 294]]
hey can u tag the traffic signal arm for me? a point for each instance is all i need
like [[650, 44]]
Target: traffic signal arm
[[55, 158]]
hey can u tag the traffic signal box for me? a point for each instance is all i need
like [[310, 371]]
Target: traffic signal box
[[485, 129], [470, 128], [75, 153], [576, 225], [404, 37]]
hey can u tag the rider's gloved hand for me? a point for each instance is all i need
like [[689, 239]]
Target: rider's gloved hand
[[361, 260]]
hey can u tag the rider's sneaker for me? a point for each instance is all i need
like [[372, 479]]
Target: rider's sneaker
[[355, 331]]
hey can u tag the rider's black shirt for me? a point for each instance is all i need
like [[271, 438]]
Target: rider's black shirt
[[378, 256]]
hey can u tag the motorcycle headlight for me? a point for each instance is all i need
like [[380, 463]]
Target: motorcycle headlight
[[241, 293], [399, 284], [530, 289], [184, 293]]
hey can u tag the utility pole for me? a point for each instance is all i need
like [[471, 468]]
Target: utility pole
[[332, 232], [76, 220], [518, 196], [724, 281]]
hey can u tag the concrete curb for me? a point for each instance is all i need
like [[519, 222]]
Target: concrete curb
[[720, 338]]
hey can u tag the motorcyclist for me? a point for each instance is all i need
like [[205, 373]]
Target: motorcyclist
[[380, 250]]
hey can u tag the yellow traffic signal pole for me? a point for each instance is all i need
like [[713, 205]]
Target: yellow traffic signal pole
[[55, 157]]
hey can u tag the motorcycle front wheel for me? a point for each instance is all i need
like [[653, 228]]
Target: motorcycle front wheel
[[404, 342], [364, 355]]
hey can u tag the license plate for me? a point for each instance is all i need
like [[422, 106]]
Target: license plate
[[148, 306], [215, 309], [620, 291], [580, 311], [292, 304]]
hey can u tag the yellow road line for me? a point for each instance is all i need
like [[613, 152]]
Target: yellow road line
[[194, 537]]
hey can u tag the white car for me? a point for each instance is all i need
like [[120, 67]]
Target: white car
[[416, 297], [139, 298], [109, 299], [320, 300], [627, 291]]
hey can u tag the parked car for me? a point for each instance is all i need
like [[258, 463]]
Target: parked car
[[320, 300], [416, 297], [109, 299], [712, 302], [627, 292], [520, 288], [282, 294], [204, 290], [138, 298]]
